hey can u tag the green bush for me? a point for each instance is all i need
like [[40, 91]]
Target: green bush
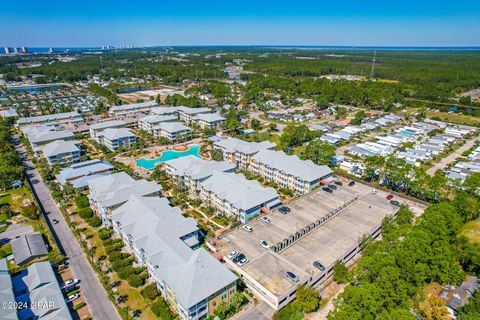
[[82, 202], [125, 272], [161, 310], [135, 280], [150, 292], [119, 265], [104, 234], [79, 306], [95, 222], [85, 213]]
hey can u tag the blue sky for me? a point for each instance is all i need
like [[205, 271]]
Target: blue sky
[[55, 23]]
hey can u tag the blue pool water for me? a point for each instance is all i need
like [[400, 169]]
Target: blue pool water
[[168, 155]]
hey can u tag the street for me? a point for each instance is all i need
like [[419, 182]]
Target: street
[[451, 157], [95, 295]]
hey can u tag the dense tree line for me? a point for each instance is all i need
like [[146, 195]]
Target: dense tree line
[[10, 164], [390, 277]]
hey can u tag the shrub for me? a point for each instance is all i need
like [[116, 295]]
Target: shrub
[[95, 222], [82, 202], [85, 213], [125, 272], [79, 306], [135, 280], [111, 248], [104, 234], [150, 292], [161, 310]]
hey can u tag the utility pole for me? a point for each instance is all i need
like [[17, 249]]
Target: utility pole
[[372, 73]]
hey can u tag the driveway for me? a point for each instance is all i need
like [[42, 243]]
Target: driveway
[[94, 293], [261, 311], [451, 157], [15, 230]]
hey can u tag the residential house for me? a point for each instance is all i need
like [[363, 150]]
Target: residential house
[[28, 247], [133, 108], [57, 118], [39, 136], [208, 120], [147, 123], [188, 114]]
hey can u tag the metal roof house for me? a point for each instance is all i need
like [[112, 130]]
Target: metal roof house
[[97, 130], [60, 152], [28, 247]]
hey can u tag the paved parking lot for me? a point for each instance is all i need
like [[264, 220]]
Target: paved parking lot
[[327, 243]]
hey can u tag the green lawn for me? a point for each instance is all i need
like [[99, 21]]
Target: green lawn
[[456, 118], [471, 230]]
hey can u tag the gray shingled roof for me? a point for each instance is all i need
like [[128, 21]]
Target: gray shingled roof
[[292, 165], [156, 228], [6, 292], [41, 286], [234, 144], [242, 193], [134, 106], [60, 147], [209, 117], [82, 169], [172, 127], [152, 119], [198, 168], [117, 133], [193, 111], [115, 189], [107, 124], [28, 247], [49, 117]]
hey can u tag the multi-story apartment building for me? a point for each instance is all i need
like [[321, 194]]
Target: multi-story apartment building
[[190, 171], [172, 131], [39, 136], [240, 152], [114, 138], [97, 130], [208, 120], [233, 195], [147, 123], [188, 114], [57, 118], [60, 152], [110, 192], [142, 107], [79, 174], [167, 244], [288, 171]]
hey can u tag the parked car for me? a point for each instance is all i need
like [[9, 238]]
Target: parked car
[[238, 258], [71, 282], [395, 203], [318, 265], [243, 262], [266, 219], [351, 183], [332, 186], [291, 276], [327, 189], [338, 183], [284, 209], [247, 228], [73, 297], [232, 254], [264, 244], [390, 197]]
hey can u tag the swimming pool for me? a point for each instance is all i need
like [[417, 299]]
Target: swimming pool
[[168, 155]]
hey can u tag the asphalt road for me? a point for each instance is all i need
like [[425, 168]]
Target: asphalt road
[[91, 288], [451, 157], [260, 312]]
